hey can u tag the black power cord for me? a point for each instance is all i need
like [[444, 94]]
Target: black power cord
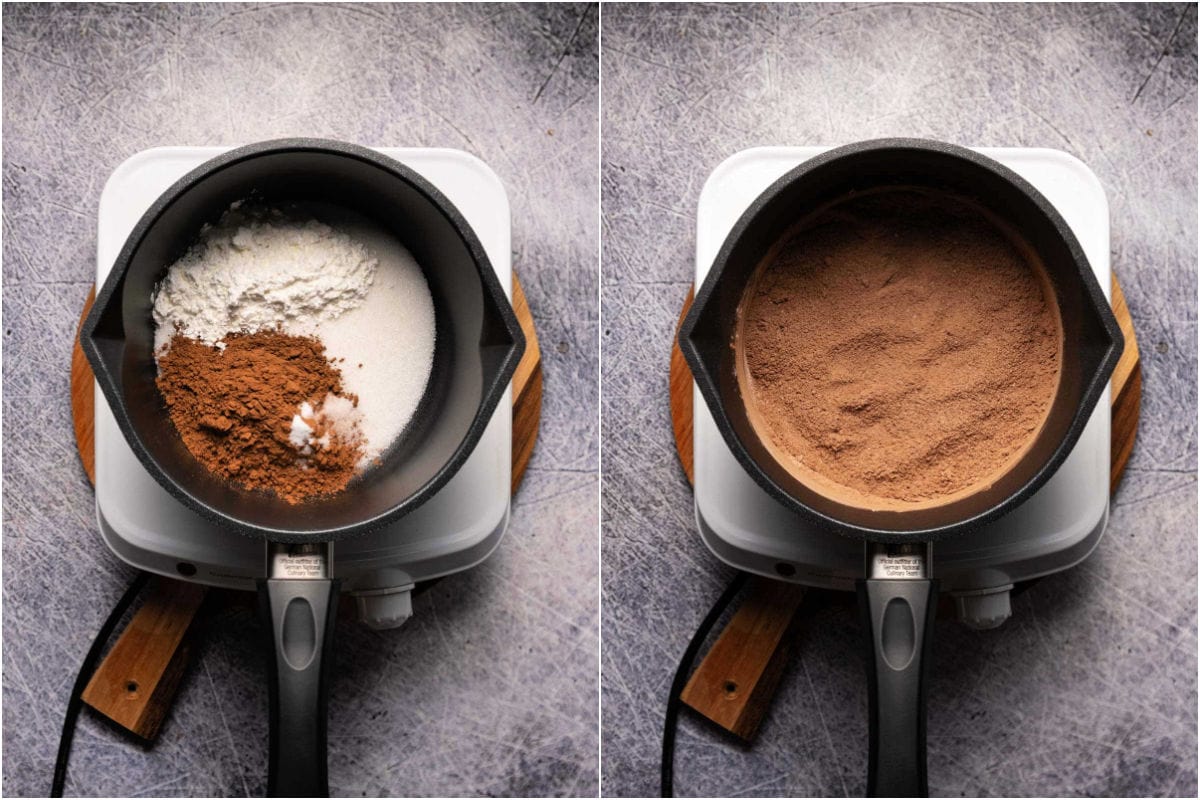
[[683, 671], [86, 670]]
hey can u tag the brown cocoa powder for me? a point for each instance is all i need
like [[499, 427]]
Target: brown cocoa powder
[[899, 350], [233, 409]]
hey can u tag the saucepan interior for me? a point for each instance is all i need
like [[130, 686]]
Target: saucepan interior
[[477, 339], [1091, 337]]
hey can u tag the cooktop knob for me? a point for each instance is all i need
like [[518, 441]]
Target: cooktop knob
[[984, 609], [381, 609]]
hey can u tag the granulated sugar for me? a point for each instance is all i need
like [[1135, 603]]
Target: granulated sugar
[[390, 334]]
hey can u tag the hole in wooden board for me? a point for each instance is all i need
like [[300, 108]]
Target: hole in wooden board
[[731, 688], [131, 687]]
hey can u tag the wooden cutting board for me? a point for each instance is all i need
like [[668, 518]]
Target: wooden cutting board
[[135, 684], [734, 683]]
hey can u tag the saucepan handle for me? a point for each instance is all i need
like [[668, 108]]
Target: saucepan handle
[[300, 616], [898, 622]]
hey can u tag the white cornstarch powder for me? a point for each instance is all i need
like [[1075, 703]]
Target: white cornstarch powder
[[257, 269], [343, 280]]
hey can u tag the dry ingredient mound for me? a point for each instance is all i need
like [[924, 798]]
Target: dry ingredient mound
[[312, 269], [235, 407], [899, 350], [259, 269]]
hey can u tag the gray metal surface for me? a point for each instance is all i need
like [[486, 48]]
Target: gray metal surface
[[491, 687], [1090, 689]]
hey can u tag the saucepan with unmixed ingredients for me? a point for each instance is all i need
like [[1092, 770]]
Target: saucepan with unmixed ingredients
[[900, 341], [302, 340]]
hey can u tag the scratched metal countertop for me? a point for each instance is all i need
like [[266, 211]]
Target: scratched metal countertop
[[1090, 689], [491, 687]]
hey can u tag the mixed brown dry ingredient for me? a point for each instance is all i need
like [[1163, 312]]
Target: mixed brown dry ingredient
[[899, 351], [234, 409]]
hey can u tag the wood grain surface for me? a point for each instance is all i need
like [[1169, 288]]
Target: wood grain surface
[[527, 389], [1126, 390], [751, 650], [83, 398], [135, 684], [137, 680], [737, 680]]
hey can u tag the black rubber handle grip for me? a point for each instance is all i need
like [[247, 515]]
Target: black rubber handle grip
[[898, 622], [300, 616]]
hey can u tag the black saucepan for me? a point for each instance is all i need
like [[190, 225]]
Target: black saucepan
[[478, 345], [898, 593]]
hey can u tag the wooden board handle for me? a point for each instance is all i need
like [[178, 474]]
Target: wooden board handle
[[735, 683], [135, 685]]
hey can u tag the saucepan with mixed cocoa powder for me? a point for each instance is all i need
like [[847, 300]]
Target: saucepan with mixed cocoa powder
[[302, 340], [900, 340]]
